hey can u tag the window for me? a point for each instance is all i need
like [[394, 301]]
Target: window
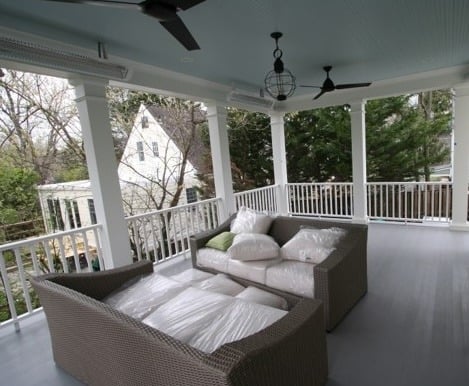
[[69, 214], [76, 212], [191, 195], [145, 122], [141, 154], [55, 214], [154, 147], [92, 211]]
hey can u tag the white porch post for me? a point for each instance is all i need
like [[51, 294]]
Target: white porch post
[[280, 160], [220, 149], [90, 97], [461, 158], [357, 115]]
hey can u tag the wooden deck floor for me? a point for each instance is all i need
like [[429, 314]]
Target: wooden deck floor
[[411, 329]]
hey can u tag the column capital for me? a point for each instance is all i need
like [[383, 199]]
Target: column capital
[[461, 90], [89, 88], [357, 107], [276, 117], [214, 110]]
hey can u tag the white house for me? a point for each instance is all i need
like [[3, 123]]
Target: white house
[[149, 171]]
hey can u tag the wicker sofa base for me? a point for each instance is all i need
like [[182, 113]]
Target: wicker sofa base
[[102, 346]]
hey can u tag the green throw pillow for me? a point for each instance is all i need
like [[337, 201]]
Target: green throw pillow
[[221, 241]]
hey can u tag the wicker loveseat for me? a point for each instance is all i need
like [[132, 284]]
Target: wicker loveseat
[[102, 346], [339, 281]]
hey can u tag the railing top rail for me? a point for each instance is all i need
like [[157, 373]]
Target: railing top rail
[[256, 190], [34, 240], [179, 207], [411, 183], [319, 183]]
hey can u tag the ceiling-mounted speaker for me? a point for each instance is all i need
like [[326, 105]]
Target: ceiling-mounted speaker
[[31, 53]]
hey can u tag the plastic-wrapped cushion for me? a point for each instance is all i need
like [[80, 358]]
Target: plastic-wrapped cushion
[[250, 221], [144, 296], [191, 275], [213, 258], [253, 246], [251, 270], [312, 245], [188, 313], [222, 284], [256, 295], [292, 276], [238, 320]]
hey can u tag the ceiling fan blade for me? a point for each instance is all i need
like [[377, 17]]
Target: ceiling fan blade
[[351, 85], [318, 95], [305, 85], [183, 4], [102, 3], [177, 28]]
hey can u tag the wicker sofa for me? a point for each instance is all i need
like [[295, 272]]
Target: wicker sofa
[[102, 346], [339, 281]]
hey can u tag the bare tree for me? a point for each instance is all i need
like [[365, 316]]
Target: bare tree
[[38, 119]]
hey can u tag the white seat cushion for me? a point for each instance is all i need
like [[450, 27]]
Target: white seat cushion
[[234, 322], [188, 313], [292, 276], [251, 270], [213, 258]]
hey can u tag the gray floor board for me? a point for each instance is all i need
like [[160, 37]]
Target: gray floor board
[[411, 329]]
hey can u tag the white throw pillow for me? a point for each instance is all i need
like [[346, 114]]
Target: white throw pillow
[[311, 245], [250, 221], [221, 284], [256, 295], [253, 246]]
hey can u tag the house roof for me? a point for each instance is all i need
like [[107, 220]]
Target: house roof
[[178, 126]]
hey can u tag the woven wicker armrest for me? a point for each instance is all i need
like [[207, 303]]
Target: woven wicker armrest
[[199, 240], [99, 284], [341, 280]]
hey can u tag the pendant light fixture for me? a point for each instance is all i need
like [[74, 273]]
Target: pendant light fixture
[[279, 82]]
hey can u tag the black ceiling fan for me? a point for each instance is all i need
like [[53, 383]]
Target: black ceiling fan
[[329, 85], [163, 10]]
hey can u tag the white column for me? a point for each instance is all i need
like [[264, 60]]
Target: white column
[[220, 149], [277, 128], [461, 158], [357, 116], [92, 104]]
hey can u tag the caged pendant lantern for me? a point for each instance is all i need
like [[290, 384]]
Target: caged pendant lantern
[[279, 82]]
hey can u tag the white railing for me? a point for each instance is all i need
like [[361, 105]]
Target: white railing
[[261, 199], [71, 251], [410, 201], [328, 199], [163, 234]]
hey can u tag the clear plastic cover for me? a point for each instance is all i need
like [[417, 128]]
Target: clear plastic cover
[[189, 312], [311, 245], [253, 246], [250, 221], [292, 276], [238, 320], [256, 295], [191, 275], [222, 284], [140, 298]]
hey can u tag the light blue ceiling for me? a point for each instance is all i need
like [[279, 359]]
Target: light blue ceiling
[[365, 40]]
